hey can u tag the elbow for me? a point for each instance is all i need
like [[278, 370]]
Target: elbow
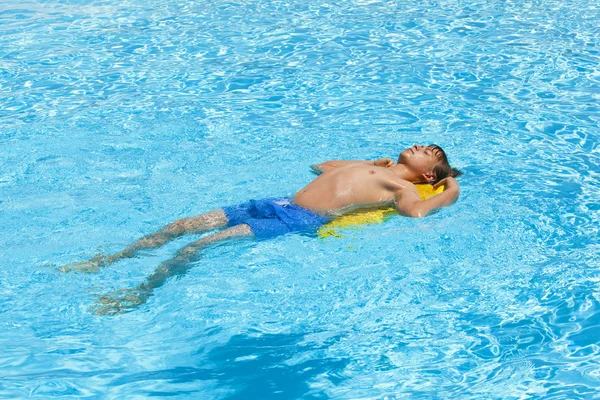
[[317, 168], [417, 213], [323, 167]]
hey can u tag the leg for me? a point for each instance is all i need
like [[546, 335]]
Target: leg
[[201, 223], [126, 300], [181, 262]]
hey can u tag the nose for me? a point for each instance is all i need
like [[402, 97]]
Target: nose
[[417, 147]]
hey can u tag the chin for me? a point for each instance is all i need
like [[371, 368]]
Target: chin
[[402, 156]]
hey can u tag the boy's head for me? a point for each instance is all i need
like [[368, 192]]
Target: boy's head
[[428, 163]]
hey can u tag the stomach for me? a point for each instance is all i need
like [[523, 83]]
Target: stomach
[[329, 198]]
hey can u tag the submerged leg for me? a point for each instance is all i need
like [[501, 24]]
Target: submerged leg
[[125, 300], [201, 223]]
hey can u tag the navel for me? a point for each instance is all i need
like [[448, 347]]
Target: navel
[[371, 172]]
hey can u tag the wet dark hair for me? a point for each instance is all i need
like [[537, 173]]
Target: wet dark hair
[[443, 169]]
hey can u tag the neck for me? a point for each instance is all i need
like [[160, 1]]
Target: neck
[[403, 172]]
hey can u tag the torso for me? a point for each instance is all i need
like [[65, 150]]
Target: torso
[[351, 186]]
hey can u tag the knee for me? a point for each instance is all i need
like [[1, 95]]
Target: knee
[[180, 226], [186, 251], [189, 250]]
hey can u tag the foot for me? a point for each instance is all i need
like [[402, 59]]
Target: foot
[[120, 301], [89, 266]]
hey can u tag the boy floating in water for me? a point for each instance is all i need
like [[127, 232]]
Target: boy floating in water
[[342, 186]]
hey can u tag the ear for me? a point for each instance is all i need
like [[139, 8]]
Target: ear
[[429, 177]]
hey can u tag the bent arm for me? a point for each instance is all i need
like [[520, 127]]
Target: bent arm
[[409, 203], [328, 165]]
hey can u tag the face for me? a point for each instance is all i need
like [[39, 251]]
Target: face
[[420, 159]]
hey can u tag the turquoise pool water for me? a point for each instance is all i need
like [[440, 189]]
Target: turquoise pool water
[[117, 117]]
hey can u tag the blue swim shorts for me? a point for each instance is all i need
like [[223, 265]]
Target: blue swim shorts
[[273, 217]]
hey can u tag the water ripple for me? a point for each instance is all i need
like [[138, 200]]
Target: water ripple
[[118, 117]]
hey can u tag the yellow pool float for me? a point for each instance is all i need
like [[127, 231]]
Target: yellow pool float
[[332, 228]]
